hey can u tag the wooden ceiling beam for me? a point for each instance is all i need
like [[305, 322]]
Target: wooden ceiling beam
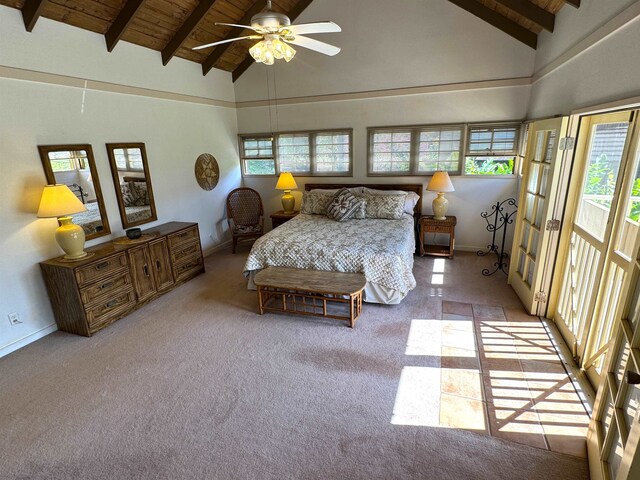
[[31, 12], [121, 23], [248, 61], [186, 29], [220, 50], [499, 21], [531, 11]]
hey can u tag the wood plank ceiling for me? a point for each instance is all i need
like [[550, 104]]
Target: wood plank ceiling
[[174, 27]]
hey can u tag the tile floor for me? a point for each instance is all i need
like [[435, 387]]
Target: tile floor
[[492, 370]]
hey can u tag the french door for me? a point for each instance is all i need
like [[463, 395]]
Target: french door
[[603, 227], [535, 239]]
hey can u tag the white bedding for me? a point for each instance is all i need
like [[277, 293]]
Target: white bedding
[[380, 249]]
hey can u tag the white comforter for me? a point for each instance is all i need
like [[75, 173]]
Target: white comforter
[[380, 249]]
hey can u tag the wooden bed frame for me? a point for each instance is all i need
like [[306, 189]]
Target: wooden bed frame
[[411, 187]]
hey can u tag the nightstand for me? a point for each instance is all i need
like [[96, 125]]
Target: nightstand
[[428, 224], [280, 217]]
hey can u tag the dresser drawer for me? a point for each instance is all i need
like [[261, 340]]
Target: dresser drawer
[[106, 286], [180, 253], [437, 228], [188, 235], [100, 268], [188, 267], [110, 308]]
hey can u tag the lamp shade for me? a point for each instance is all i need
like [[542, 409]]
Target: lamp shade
[[440, 182], [58, 201], [286, 182]]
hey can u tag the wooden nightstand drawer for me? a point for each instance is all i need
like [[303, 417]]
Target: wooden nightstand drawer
[[106, 286], [438, 228], [188, 235], [100, 268]]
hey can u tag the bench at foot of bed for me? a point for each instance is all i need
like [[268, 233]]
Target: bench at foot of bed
[[311, 292]]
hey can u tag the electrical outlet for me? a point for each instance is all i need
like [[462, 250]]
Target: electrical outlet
[[14, 318]]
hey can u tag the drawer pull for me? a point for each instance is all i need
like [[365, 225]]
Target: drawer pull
[[111, 303], [158, 265], [102, 265], [190, 249], [106, 285], [146, 270]]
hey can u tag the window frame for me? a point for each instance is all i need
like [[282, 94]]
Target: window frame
[[515, 153], [312, 134], [414, 154], [127, 162]]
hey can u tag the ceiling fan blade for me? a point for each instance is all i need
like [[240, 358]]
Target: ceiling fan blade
[[200, 47], [315, 45], [318, 27], [248, 27]]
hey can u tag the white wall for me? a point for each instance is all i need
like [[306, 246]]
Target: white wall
[[40, 113], [578, 66], [424, 43]]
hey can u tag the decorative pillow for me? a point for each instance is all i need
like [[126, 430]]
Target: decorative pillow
[[128, 196], [361, 212], [354, 190], [141, 193], [315, 202], [343, 205], [385, 206]]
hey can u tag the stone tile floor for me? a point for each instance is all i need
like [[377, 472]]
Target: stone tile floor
[[492, 370]]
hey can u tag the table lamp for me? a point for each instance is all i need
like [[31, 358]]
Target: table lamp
[[58, 201], [440, 182], [287, 183]]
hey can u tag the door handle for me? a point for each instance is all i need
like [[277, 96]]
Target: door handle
[[633, 378], [146, 270], [158, 265]]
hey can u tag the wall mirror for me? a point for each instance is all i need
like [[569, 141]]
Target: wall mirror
[[74, 166], [132, 182]]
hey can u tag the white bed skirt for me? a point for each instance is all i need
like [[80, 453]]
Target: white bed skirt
[[373, 292]]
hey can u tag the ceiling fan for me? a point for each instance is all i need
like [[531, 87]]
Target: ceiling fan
[[277, 34]]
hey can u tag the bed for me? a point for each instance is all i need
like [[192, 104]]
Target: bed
[[380, 249], [90, 221]]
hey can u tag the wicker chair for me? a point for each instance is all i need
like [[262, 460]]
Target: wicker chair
[[245, 215]]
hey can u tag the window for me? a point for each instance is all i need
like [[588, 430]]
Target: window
[[128, 159], [491, 149], [415, 150], [66, 161], [303, 153]]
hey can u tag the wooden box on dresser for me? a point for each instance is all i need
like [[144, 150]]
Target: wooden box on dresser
[[89, 294]]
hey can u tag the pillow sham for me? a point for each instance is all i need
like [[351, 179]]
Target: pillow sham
[[389, 207], [343, 205], [411, 198], [315, 202]]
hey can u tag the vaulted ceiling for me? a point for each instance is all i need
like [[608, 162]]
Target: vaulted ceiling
[[174, 27]]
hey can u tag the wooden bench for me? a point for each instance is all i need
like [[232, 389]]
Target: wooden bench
[[311, 292]]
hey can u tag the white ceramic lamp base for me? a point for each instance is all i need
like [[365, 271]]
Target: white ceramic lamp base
[[71, 239], [288, 202], [440, 206]]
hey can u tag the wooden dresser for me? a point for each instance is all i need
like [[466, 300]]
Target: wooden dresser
[[90, 294]]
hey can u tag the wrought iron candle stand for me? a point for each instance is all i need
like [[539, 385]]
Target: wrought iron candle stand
[[498, 219]]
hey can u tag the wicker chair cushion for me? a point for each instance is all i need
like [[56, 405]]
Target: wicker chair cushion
[[247, 228]]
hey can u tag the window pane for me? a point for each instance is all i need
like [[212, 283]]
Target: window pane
[[332, 153], [492, 141], [489, 165], [439, 149], [391, 151], [260, 167], [257, 147], [293, 153]]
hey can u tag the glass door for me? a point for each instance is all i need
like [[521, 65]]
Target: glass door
[[534, 244], [591, 284]]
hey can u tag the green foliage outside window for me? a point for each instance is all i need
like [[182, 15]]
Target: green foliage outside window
[[489, 166]]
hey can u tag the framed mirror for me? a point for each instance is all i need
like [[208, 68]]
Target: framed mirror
[[130, 172], [74, 166]]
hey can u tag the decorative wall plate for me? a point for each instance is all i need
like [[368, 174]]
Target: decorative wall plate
[[207, 171]]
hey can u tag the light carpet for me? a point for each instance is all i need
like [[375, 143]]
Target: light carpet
[[197, 385]]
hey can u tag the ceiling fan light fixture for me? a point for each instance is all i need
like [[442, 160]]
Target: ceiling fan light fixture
[[268, 50]]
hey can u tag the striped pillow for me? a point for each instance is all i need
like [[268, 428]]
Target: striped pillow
[[343, 205]]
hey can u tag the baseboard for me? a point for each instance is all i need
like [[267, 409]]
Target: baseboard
[[216, 248], [24, 341]]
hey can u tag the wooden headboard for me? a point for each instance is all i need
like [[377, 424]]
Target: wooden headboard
[[134, 179], [411, 187]]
